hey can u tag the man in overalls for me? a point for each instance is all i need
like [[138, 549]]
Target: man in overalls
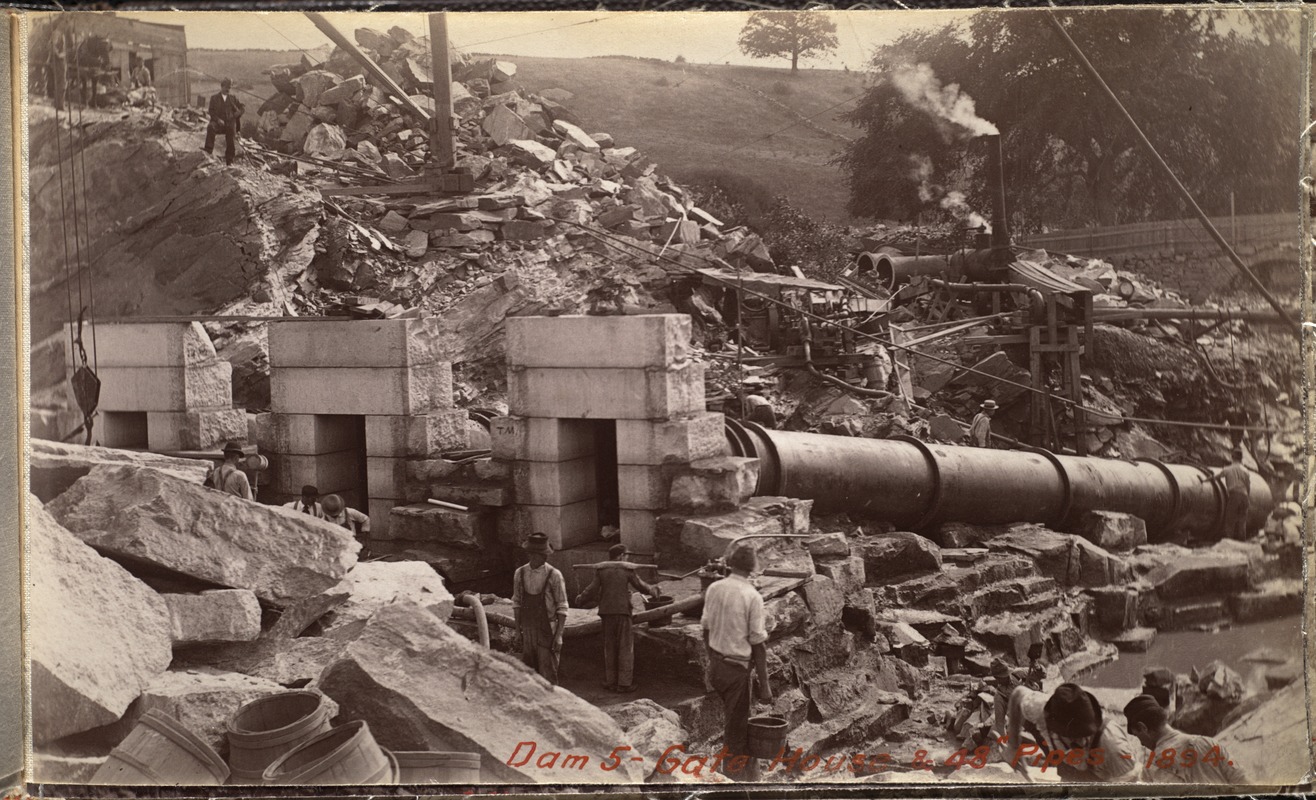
[[539, 600]]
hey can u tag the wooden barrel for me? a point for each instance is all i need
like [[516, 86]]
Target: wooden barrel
[[767, 736], [436, 767], [344, 756], [269, 727], [160, 751]]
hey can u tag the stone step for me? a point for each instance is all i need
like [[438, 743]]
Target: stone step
[[1278, 598], [1135, 640], [1188, 614], [992, 568], [1020, 594], [1012, 633]]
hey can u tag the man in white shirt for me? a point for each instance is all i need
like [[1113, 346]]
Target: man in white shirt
[[735, 634], [1179, 757], [539, 601], [1071, 736], [980, 431], [309, 504]]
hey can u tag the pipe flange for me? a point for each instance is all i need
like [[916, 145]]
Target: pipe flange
[[934, 502], [1066, 485], [777, 475], [1176, 496]]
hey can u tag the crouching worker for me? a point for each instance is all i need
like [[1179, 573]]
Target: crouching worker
[[1178, 757], [1071, 736], [338, 512]]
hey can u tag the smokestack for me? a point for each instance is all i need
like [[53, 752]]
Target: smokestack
[[996, 177]]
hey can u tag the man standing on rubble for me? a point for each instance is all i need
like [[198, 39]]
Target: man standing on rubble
[[980, 432], [612, 586], [309, 504], [225, 118], [735, 634], [229, 477], [141, 76], [1238, 485], [539, 601]]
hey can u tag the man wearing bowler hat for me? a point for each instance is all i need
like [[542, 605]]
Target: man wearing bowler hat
[[539, 601], [229, 477]]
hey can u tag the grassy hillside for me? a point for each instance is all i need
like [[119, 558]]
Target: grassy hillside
[[689, 118]]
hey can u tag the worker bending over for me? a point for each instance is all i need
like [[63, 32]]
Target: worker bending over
[[735, 633], [340, 514], [539, 601], [612, 586], [1178, 757], [1071, 736]]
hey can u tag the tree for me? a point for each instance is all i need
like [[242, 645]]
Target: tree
[[1215, 91], [769, 34]]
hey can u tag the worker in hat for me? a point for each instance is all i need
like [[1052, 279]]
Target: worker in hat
[[225, 118], [1178, 757], [1160, 683], [309, 502], [539, 602], [1237, 484], [1068, 726], [612, 585], [228, 476], [980, 431], [735, 636], [338, 512]]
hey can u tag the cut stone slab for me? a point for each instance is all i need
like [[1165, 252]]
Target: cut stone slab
[[385, 391], [654, 442], [646, 340], [374, 584], [897, 554], [169, 344], [1180, 573], [530, 152], [219, 615], [358, 343], [194, 430], [305, 434], [848, 573], [723, 483], [204, 700], [1112, 530], [342, 91], [416, 436], [695, 540], [422, 686], [1067, 559], [540, 439], [146, 515], [607, 393], [166, 388], [576, 136], [54, 466], [108, 633]]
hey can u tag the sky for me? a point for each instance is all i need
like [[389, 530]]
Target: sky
[[702, 37]]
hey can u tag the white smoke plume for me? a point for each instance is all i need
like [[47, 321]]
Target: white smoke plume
[[922, 90], [955, 203], [921, 171]]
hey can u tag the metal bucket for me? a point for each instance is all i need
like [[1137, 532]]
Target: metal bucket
[[650, 603]]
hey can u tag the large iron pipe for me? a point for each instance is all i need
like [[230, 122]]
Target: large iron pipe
[[916, 485], [894, 271]]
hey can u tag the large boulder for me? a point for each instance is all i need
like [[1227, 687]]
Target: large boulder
[[103, 634], [422, 686], [146, 515], [218, 615], [896, 554], [55, 466], [1181, 573], [1067, 559], [1271, 742], [372, 584]]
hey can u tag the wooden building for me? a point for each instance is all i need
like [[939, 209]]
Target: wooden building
[[163, 48]]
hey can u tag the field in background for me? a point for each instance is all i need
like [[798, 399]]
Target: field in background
[[689, 118]]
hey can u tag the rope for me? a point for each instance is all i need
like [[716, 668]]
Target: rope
[[617, 242], [64, 228], [86, 232]]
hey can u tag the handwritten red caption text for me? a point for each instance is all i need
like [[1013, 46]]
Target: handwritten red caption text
[[676, 759]]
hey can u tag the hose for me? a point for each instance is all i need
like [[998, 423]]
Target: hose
[[481, 618]]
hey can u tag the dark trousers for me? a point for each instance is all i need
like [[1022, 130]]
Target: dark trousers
[[618, 649], [734, 684], [1236, 508], [537, 637], [230, 132]]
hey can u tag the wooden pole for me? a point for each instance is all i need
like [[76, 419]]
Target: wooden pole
[[441, 143], [378, 75], [1174, 179]]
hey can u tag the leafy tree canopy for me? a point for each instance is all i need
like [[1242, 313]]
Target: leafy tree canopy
[[1216, 91], [788, 34]]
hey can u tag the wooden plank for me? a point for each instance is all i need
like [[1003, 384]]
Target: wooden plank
[[1014, 338], [441, 145], [372, 69], [452, 183], [904, 378]]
